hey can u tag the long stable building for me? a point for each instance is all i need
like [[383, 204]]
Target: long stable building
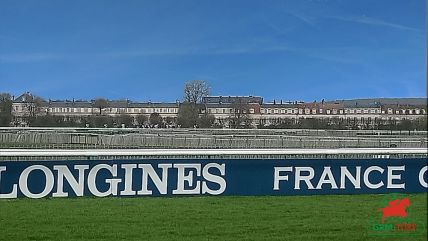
[[224, 108]]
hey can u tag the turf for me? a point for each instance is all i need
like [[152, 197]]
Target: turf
[[343, 217]]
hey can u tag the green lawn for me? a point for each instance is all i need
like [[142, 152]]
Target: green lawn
[[333, 217]]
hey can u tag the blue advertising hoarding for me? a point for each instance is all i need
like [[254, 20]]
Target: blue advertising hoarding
[[38, 179]]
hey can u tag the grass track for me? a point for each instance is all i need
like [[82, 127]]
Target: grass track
[[330, 217]]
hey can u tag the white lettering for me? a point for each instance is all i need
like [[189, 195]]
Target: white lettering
[[182, 178], [366, 177], [128, 179], [214, 178], [392, 176], [421, 177], [356, 181], [13, 193], [327, 178], [277, 176], [77, 186], [161, 184], [113, 183], [306, 179], [23, 181]]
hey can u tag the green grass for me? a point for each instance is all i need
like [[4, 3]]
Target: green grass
[[332, 217]]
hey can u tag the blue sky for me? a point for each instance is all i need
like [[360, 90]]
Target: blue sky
[[146, 50]]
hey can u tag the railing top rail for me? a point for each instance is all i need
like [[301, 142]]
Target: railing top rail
[[213, 152]]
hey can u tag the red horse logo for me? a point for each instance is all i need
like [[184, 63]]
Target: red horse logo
[[395, 208]]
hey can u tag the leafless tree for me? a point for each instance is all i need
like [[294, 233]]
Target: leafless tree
[[33, 105], [155, 119], [141, 119], [5, 109], [239, 117], [100, 103], [38, 103], [195, 90]]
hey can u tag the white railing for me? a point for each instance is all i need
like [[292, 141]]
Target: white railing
[[214, 152]]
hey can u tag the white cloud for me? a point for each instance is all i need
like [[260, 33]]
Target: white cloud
[[374, 21], [29, 57]]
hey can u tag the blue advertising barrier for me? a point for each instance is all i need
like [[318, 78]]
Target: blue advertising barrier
[[38, 179]]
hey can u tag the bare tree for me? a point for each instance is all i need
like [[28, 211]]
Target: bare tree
[[155, 119], [195, 90], [33, 105], [38, 103], [239, 117], [100, 103], [141, 119], [5, 109]]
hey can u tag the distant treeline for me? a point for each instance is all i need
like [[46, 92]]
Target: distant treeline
[[207, 121]]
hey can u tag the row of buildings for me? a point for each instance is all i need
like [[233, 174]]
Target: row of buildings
[[225, 108]]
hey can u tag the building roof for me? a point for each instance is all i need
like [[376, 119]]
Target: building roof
[[151, 105], [231, 99], [279, 105], [379, 102], [69, 103], [24, 98]]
